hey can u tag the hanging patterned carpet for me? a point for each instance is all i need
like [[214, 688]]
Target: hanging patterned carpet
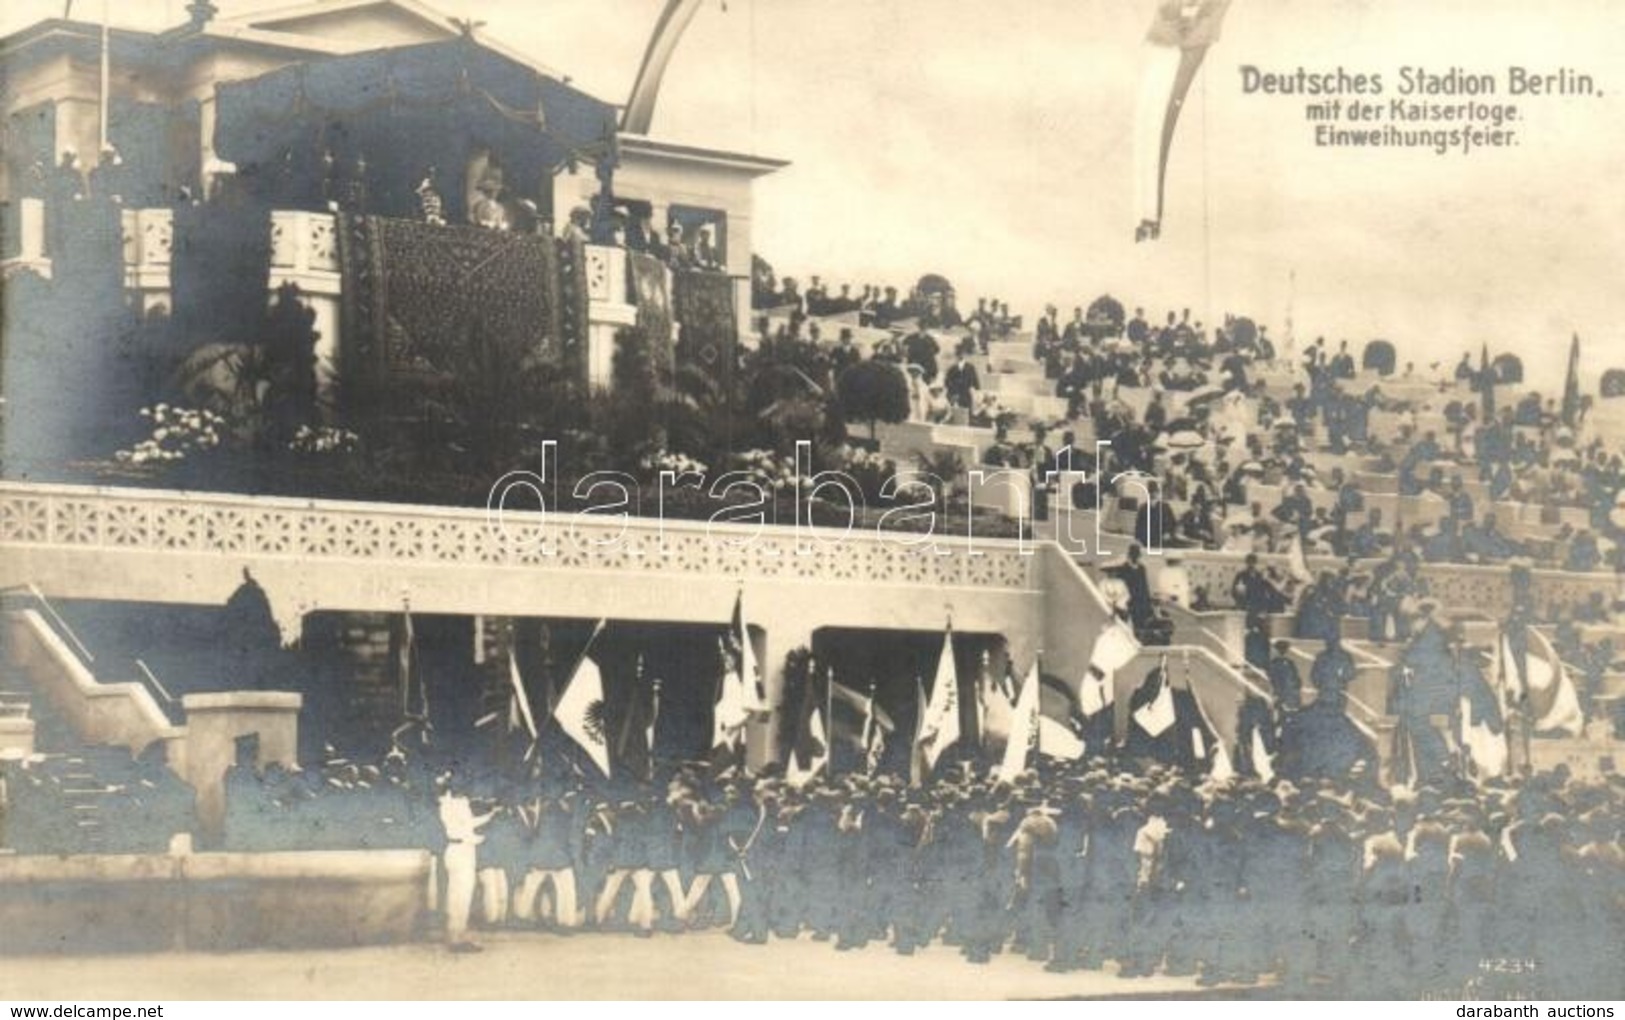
[[651, 293], [704, 303], [414, 293]]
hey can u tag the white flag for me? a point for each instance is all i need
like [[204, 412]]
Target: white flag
[[580, 712], [1056, 741], [1156, 715], [1261, 758], [731, 710], [521, 701], [939, 727], [1487, 748], [1114, 648], [1554, 703], [1023, 728]]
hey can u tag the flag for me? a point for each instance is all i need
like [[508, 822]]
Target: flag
[[994, 706], [810, 753], [580, 712], [1221, 705], [1056, 740], [858, 721], [1178, 40], [654, 717], [1571, 385], [1255, 751], [1023, 727], [729, 714], [403, 665], [848, 703], [1095, 694], [639, 721], [743, 654], [1482, 728], [874, 740], [804, 765], [1297, 565], [1114, 648], [917, 767], [414, 695], [518, 701], [1263, 761], [1543, 686], [939, 718], [1156, 713]]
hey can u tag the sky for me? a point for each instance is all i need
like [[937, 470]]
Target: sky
[[993, 143]]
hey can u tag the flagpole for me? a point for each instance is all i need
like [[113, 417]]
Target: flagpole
[[626, 720], [1459, 733], [829, 723], [106, 79]]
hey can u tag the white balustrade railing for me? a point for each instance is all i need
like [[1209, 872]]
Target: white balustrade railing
[[116, 519]]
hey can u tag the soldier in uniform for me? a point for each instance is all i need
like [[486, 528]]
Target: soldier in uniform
[[708, 857], [1334, 868], [1383, 943], [1038, 892], [852, 867], [1471, 890], [460, 858], [559, 846], [988, 923]]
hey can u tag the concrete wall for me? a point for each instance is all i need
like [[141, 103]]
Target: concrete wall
[[210, 901], [214, 722]]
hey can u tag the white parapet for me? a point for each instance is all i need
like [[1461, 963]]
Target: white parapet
[[28, 227]]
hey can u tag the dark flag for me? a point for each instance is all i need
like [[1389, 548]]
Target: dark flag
[[414, 695], [857, 721], [810, 754], [1178, 40], [1571, 385], [635, 747]]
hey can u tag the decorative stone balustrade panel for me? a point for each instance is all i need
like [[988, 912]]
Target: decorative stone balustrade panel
[[304, 241], [149, 238], [1459, 588], [155, 521]]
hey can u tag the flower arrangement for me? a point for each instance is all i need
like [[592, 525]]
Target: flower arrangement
[[677, 463], [769, 470], [324, 439], [177, 433]]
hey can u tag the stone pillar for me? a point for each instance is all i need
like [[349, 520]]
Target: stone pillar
[[213, 724], [149, 242], [28, 229]]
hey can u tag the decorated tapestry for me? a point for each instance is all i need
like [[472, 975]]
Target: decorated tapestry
[[651, 293], [416, 296], [704, 303]]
